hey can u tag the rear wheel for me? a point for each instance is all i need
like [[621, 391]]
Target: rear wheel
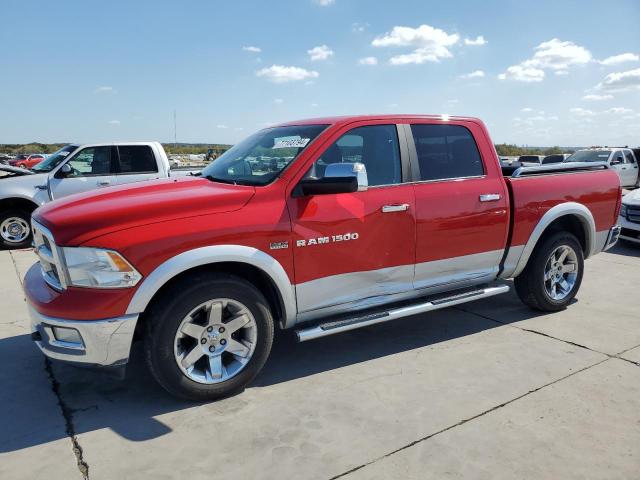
[[553, 274], [15, 229], [210, 339]]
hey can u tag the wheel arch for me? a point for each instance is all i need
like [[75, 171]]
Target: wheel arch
[[572, 217], [18, 203], [251, 264]]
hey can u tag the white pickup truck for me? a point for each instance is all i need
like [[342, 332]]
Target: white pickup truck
[[73, 169]]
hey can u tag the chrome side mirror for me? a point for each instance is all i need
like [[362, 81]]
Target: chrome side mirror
[[356, 169]]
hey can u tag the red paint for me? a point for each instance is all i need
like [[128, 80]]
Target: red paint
[[27, 162], [151, 222]]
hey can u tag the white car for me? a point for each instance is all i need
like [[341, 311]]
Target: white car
[[73, 169], [630, 217], [622, 160]]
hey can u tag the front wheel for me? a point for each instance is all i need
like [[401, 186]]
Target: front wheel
[[15, 229], [209, 338], [553, 274]]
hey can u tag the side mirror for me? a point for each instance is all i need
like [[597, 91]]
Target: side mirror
[[357, 170], [338, 178], [616, 161], [65, 170]]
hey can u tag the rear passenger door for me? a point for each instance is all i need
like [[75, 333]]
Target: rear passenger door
[[631, 170], [462, 215], [136, 163]]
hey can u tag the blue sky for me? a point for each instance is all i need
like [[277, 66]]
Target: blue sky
[[538, 73]]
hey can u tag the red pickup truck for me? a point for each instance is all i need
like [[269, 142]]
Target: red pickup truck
[[321, 225]]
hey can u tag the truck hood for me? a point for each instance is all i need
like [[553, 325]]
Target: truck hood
[[632, 198], [15, 170], [78, 218]]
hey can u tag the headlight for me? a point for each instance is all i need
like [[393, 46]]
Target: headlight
[[623, 211], [98, 268]]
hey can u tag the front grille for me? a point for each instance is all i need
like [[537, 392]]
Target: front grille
[[49, 256], [633, 214], [627, 232]]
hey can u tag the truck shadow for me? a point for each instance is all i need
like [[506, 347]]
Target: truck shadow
[[133, 407], [625, 249]]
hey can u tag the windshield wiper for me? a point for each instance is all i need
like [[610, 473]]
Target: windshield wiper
[[220, 180]]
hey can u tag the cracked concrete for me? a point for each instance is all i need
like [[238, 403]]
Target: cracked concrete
[[486, 390]]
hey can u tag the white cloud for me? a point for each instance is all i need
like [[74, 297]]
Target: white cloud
[[252, 49], [555, 55], [582, 112], [105, 89], [368, 61], [474, 74], [325, 3], [359, 27], [622, 58], [619, 110], [621, 81], [314, 105], [278, 100], [321, 52], [239, 129], [430, 44], [222, 126], [522, 74], [527, 110], [597, 98], [283, 74], [114, 122], [561, 73], [479, 40]]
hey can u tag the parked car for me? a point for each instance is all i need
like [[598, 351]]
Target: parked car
[[630, 217], [622, 160], [530, 160], [203, 269], [555, 158], [72, 169], [26, 161]]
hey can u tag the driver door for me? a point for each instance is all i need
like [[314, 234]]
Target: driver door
[[91, 168], [355, 248]]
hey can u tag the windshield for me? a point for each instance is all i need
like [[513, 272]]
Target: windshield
[[589, 156], [260, 158], [54, 159]]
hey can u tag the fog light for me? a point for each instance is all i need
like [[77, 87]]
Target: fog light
[[69, 335]]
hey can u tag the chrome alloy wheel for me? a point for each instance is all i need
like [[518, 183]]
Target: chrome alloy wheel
[[561, 272], [15, 229], [215, 341]]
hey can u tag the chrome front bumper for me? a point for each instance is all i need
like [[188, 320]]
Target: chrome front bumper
[[97, 342]]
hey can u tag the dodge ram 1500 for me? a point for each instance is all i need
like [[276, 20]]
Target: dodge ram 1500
[[323, 226]]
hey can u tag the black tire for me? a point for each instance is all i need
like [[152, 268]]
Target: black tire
[[165, 316], [530, 284], [26, 217]]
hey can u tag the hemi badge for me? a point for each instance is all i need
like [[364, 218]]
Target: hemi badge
[[278, 245]]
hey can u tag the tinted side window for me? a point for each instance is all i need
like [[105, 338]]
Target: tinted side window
[[376, 146], [629, 157], [446, 151], [137, 159], [92, 161]]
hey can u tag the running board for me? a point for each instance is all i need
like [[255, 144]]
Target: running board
[[331, 328]]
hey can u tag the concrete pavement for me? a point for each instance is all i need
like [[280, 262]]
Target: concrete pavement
[[486, 390]]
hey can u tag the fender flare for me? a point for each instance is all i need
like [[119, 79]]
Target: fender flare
[[564, 209], [211, 255]]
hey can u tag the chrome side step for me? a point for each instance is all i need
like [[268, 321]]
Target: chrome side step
[[331, 328]]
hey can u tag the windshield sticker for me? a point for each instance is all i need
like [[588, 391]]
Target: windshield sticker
[[64, 154], [606, 155], [291, 143]]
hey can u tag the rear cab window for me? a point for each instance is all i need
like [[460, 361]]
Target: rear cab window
[[446, 152], [136, 159]]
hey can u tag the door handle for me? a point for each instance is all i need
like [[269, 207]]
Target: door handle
[[395, 208], [490, 197], [104, 182]]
